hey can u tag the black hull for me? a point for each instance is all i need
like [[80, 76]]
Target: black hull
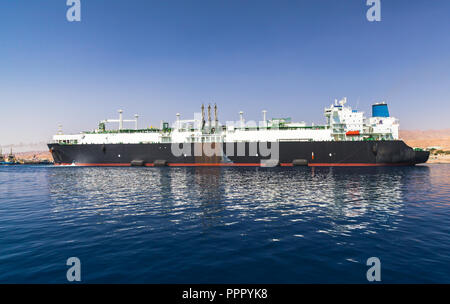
[[326, 153]]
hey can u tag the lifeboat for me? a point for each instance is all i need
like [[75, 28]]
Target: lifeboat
[[352, 133]]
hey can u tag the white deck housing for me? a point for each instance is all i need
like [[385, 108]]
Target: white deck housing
[[342, 123]]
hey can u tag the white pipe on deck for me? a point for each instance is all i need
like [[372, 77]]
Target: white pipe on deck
[[120, 120]]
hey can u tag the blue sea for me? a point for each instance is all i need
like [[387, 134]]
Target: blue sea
[[225, 225]]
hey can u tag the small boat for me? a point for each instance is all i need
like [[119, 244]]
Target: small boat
[[9, 160]]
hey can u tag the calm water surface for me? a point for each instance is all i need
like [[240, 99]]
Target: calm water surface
[[224, 225]]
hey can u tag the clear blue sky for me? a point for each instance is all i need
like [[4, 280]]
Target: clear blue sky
[[160, 57]]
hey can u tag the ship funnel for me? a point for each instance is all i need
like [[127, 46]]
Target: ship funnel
[[380, 110]]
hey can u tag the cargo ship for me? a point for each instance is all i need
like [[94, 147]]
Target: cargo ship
[[347, 138]]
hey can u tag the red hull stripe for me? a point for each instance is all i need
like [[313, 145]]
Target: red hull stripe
[[356, 164], [214, 164], [235, 164], [95, 164], [169, 164]]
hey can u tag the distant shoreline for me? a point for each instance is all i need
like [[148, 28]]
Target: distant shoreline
[[439, 159], [427, 139]]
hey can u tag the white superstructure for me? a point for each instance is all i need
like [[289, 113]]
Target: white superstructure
[[342, 123]]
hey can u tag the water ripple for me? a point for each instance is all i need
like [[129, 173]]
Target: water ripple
[[221, 225]]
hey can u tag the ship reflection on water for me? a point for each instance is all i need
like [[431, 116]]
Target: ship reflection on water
[[226, 196], [252, 224]]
